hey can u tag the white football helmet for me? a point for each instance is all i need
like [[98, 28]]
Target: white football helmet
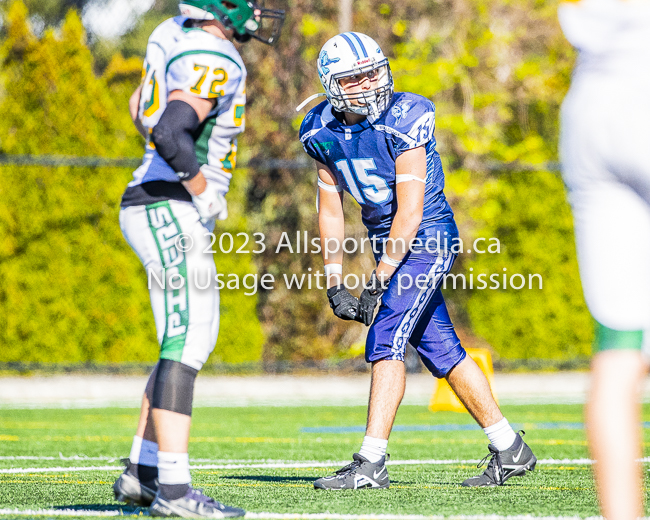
[[349, 54]]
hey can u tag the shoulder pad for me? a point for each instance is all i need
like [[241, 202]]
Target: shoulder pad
[[205, 46], [163, 34], [313, 122], [411, 119], [406, 110]]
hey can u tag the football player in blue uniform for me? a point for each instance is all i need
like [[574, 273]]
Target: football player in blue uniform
[[379, 147]]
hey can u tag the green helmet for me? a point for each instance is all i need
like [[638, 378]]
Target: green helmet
[[246, 18]]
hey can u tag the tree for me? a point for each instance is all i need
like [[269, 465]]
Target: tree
[[72, 290], [497, 72]]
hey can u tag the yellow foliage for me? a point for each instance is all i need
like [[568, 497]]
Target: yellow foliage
[[73, 291]]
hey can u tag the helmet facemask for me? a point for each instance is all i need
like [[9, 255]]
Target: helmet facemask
[[372, 102], [246, 18], [266, 25]]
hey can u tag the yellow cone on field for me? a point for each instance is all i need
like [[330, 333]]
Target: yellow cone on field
[[444, 399]]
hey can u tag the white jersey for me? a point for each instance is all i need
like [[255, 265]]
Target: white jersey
[[194, 61], [613, 36]]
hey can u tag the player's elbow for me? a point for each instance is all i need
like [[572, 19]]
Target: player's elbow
[[163, 136], [173, 133], [414, 225], [409, 223], [173, 137], [134, 103], [331, 222], [410, 217]]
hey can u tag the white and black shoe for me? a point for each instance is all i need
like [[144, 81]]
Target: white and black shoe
[[194, 504], [361, 473], [128, 488], [516, 461]]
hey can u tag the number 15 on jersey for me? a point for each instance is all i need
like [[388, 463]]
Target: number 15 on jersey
[[364, 187]]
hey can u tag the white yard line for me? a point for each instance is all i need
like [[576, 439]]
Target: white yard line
[[325, 516], [288, 465], [57, 512], [60, 457], [297, 516], [58, 469], [111, 459], [261, 464]]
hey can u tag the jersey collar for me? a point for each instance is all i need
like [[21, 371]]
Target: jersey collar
[[329, 117]]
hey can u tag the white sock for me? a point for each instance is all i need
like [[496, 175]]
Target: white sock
[[501, 434], [144, 452], [373, 449], [173, 468], [136, 447]]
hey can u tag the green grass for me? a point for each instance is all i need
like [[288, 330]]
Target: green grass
[[274, 433]]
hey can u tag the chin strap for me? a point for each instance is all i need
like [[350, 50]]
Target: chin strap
[[310, 98]]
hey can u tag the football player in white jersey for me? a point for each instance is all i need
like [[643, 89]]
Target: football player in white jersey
[[190, 109], [605, 140]]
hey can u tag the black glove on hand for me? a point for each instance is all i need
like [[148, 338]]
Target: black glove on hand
[[345, 305], [370, 298]]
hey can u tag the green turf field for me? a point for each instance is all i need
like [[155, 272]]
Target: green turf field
[[250, 457]]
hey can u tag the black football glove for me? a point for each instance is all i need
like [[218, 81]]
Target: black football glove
[[345, 305], [370, 298]]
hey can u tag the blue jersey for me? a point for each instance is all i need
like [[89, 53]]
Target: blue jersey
[[362, 158]]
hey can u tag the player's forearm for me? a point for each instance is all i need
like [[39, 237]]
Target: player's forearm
[[138, 125], [332, 233], [402, 232], [140, 128], [134, 105], [196, 185]]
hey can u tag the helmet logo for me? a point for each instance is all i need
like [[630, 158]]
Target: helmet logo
[[324, 61]]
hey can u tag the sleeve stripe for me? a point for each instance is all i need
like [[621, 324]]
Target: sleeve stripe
[[182, 54], [396, 133], [309, 134]]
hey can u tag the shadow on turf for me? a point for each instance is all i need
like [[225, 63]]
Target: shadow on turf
[[106, 508], [267, 478]]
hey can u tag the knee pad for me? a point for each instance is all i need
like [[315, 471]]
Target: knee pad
[[174, 387]]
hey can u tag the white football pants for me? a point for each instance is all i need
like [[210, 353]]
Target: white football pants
[[186, 316], [605, 151]]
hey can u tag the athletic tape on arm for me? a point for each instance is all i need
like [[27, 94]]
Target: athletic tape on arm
[[405, 177], [329, 187], [333, 269], [389, 261]]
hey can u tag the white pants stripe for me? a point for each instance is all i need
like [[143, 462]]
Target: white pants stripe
[[411, 318]]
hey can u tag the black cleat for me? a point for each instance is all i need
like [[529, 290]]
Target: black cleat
[[129, 489], [193, 505], [513, 462], [359, 474]]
